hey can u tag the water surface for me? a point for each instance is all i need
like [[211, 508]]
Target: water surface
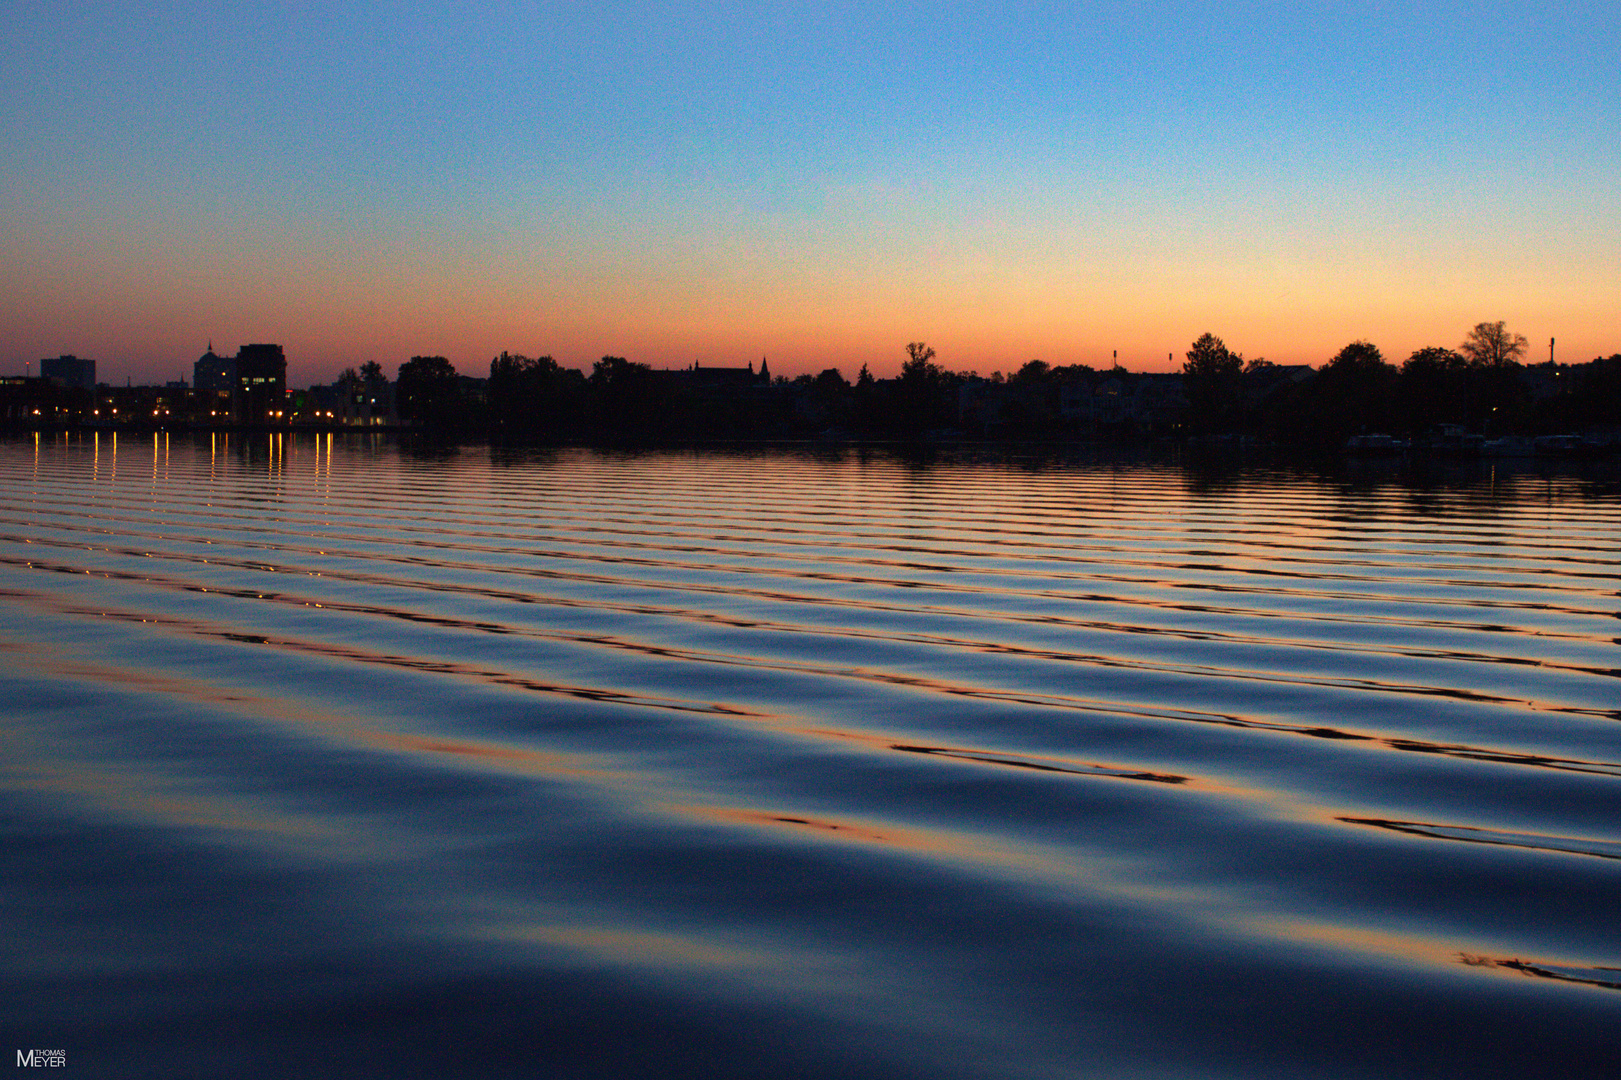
[[329, 757]]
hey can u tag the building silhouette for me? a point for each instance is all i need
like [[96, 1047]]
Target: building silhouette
[[261, 383], [213, 381], [70, 372], [717, 378], [214, 372]]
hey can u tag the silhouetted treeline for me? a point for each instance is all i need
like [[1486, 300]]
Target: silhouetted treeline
[[1218, 392], [1480, 387], [1358, 392], [537, 399]]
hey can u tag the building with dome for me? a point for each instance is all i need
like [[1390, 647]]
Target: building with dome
[[250, 387], [214, 372]]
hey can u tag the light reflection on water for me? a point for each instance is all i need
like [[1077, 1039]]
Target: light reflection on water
[[804, 762]]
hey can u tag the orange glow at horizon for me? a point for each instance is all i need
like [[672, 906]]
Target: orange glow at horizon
[[145, 306]]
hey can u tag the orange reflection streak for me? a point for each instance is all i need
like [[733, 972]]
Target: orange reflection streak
[[512, 759], [1421, 950], [1048, 763], [1607, 977], [643, 948], [1473, 834], [1027, 860], [1406, 948]]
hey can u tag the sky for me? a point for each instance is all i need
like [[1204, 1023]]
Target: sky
[[816, 184]]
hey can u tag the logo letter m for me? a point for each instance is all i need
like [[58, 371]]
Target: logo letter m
[[25, 1060]]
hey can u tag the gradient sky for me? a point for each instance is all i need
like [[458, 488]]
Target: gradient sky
[[816, 183]]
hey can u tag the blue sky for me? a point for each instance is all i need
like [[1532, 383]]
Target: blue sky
[[816, 183]]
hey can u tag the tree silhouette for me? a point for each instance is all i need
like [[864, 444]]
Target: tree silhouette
[[920, 392], [350, 385], [1434, 357], [1433, 388], [1034, 371], [1353, 393], [1359, 356], [428, 391], [613, 371], [626, 401], [919, 362], [1493, 345], [530, 397], [1211, 378]]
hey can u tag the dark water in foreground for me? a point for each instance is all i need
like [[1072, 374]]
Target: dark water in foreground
[[321, 759]]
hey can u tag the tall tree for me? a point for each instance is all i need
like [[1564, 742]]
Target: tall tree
[[1493, 345], [921, 390], [919, 362], [1212, 379]]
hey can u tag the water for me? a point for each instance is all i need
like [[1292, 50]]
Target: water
[[323, 757]]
